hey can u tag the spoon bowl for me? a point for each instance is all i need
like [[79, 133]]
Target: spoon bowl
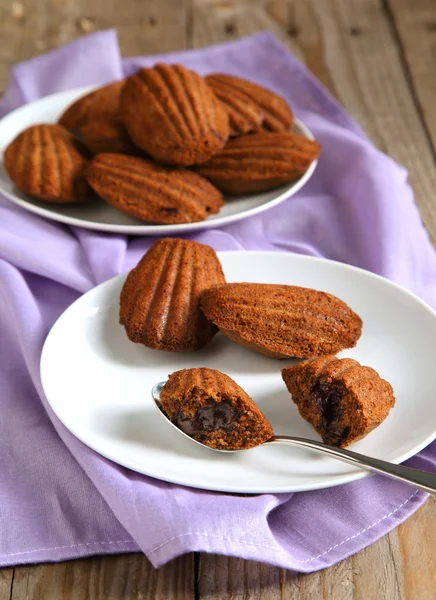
[[155, 392], [421, 480]]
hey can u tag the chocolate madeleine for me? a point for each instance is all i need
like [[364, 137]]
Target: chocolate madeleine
[[106, 136], [173, 115], [341, 399], [211, 408], [160, 299], [45, 162], [259, 162], [140, 188], [245, 114], [277, 113], [281, 320], [103, 104]]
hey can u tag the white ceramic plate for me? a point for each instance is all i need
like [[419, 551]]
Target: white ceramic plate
[[103, 217], [98, 382]]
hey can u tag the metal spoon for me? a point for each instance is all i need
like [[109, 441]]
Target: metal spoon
[[421, 480]]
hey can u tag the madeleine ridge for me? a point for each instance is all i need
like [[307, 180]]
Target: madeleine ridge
[[259, 162], [213, 409], [341, 399], [277, 114], [173, 115], [160, 299], [45, 162], [245, 114], [142, 189], [282, 321]]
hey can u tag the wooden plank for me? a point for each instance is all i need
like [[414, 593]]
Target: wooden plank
[[414, 22], [6, 577], [417, 540], [215, 21], [124, 577], [338, 581], [310, 587], [330, 584], [222, 577], [30, 27], [378, 571]]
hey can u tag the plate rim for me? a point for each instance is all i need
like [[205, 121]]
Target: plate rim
[[333, 481], [149, 230]]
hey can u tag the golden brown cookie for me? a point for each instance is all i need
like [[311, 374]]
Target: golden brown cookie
[[140, 188], [245, 114], [102, 104], [282, 320], [342, 399], [159, 303], [277, 113], [211, 408], [106, 136], [45, 162], [173, 115], [259, 162]]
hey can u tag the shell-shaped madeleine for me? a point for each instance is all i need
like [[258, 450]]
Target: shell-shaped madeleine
[[45, 162], [159, 303], [245, 114], [281, 320], [173, 115], [277, 112], [102, 104], [342, 399], [213, 409], [259, 162], [106, 136], [140, 188]]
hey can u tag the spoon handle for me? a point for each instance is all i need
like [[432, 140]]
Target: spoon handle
[[421, 480]]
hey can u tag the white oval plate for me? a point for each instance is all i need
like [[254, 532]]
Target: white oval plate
[[101, 216], [98, 382]]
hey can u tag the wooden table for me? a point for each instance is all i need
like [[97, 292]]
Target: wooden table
[[378, 57]]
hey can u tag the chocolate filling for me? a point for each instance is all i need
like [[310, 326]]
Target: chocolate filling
[[169, 210], [208, 418], [328, 399]]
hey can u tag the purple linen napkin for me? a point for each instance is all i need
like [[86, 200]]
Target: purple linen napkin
[[59, 499]]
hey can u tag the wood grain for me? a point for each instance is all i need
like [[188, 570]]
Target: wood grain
[[6, 576], [126, 577], [219, 21], [143, 27], [224, 577], [378, 571], [417, 543], [415, 24]]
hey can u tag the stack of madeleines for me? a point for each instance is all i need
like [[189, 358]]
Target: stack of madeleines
[[177, 299], [163, 146]]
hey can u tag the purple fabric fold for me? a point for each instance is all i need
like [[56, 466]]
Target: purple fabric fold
[[58, 498]]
